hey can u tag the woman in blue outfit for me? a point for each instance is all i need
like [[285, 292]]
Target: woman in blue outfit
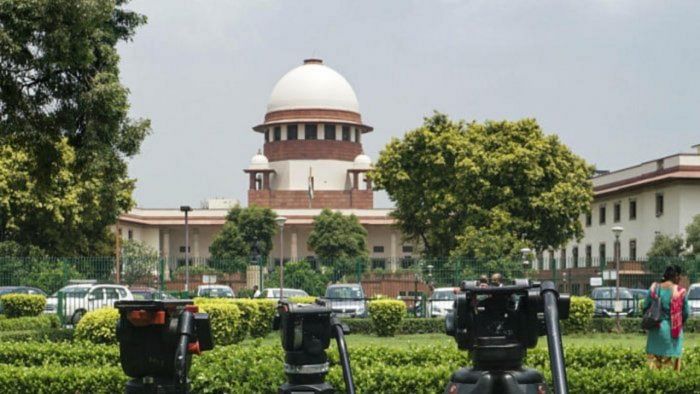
[[663, 349]]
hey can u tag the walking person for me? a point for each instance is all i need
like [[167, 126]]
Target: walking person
[[665, 343]]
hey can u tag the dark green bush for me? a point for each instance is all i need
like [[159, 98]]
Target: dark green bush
[[22, 305], [41, 335], [60, 379], [386, 316], [30, 323], [407, 326], [98, 326]]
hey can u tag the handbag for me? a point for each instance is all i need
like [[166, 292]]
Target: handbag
[[652, 316]]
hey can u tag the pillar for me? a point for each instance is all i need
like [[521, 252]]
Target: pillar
[[355, 180], [266, 180], [195, 246], [252, 181], [393, 252], [293, 253]]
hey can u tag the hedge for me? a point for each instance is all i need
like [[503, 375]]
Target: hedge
[[41, 335], [77, 354], [407, 326], [21, 305], [303, 299], [256, 315], [30, 323], [254, 367], [386, 316], [98, 326], [59, 379], [226, 324], [580, 315]]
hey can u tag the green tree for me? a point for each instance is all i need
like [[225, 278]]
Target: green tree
[[482, 190], [692, 236], [256, 225], [299, 275], [245, 228], [664, 251], [30, 266], [338, 240], [64, 117], [139, 263]]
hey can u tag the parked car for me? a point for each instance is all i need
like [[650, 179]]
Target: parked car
[[694, 299], [346, 300], [639, 295], [441, 301], [605, 297], [274, 293], [149, 294], [19, 290], [215, 291], [82, 298]]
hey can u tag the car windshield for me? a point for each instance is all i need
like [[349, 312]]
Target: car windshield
[[443, 295], [346, 293], [694, 293], [216, 292], [74, 291], [289, 293], [603, 294]]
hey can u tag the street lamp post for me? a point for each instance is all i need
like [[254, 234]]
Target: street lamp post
[[280, 220], [186, 209], [617, 230]]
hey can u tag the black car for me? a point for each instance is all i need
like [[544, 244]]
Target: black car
[[605, 297], [19, 290]]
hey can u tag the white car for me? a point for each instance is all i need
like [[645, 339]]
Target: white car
[[82, 298], [694, 299], [274, 293], [215, 291], [441, 301]]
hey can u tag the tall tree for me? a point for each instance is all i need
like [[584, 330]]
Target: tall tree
[[64, 112], [460, 186], [337, 238], [692, 236], [245, 228]]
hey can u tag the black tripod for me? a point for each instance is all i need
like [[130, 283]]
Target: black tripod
[[497, 325], [306, 333]]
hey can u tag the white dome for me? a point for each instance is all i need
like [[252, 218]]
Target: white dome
[[259, 162], [362, 162], [313, 85]]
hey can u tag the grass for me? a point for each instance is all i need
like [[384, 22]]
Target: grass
[[401, 341]]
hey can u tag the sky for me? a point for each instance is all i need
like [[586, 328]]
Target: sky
[[617, 81]]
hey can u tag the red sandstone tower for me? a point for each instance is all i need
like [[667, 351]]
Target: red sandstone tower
[[313, 144]]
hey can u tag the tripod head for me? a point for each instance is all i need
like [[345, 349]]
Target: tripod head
[[306, 331], [498, 324], [156, 343]]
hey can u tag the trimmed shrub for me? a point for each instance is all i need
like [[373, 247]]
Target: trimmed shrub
[[226, 324], [267, 310], [303, 299], [409, 325], [386, 316], [37, 354], [60, 379], [30, 323], [250, 314], [21, 305], [42, 335], [580, 315], [98, 326]]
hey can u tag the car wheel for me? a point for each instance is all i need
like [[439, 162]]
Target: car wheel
[[77, 316]]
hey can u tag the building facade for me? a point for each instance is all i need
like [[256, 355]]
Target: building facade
[[311, 158], [655, 197]]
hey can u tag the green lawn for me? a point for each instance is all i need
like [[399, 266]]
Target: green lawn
[[597, 339]]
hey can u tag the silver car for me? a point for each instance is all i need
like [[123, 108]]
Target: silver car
[[694, 299], [441, 301], [347, 300]]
